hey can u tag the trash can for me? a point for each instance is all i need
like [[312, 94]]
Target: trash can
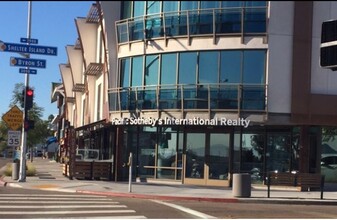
[[241, 185], [15, 169]]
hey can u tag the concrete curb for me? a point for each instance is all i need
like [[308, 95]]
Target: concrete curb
[[2, 182], [159, 197]]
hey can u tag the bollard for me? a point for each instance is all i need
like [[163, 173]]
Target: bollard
[[130, 172], [241, 185], [15, 170]]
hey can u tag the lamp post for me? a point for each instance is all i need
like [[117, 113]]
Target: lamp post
[[22, 171]]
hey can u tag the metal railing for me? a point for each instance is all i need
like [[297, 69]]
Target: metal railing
[[203, 97], [221, 21]]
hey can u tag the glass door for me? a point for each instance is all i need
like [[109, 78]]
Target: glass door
[[207, 159], [195, 158]]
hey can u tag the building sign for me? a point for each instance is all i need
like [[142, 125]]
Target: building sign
[[176, 121]]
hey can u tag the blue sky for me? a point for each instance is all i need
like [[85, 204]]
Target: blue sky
[[53, 24]]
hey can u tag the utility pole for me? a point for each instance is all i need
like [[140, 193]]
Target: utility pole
[[22, 172]]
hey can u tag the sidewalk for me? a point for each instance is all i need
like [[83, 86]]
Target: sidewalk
[[49, 177]]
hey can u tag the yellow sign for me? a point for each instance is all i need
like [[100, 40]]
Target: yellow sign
[[13, 118]]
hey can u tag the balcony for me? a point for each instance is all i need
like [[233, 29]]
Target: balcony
[[251, 21], [94, 69], [211, 97]]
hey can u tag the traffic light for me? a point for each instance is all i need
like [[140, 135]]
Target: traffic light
[[29, 124], [29, 98]]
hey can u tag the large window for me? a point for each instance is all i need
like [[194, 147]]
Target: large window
[[208, 67], [187, 68], [230, 69], [125, 72], [227, 79], [168, 69], [137, 71], [151, 70]]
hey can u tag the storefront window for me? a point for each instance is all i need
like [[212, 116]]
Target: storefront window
[[278, 154], [329, 155], [252, 155], [147, 152], [195, 155], [219, 156], [167, 153]]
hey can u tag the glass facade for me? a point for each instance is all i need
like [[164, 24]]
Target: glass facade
[[153, 19], [225, 79], [174, 153]]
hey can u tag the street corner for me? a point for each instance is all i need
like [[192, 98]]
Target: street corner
[[2, 182]]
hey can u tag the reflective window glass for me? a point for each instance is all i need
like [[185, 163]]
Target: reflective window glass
[[252, 155], [278, 152], [230, 67], [126, 9], [137, 71], [208, 67], [229, 4], [219, 156], [168, 68], [228, 21], [187, 68], [255, 20], [209, 4], [152, 7], [188, 5], [138, 8], [125, 72], [195, 155], [151, 70], [255, 3], [254, 66], [170, 6]]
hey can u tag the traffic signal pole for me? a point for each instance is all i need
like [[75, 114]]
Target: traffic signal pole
[[22, 171]]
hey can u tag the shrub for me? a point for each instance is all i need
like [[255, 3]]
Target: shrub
[[30, 169]]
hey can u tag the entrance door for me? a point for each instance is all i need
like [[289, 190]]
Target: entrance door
[[207, 159]]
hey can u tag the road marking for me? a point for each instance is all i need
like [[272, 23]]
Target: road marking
[[113, 217], [53, 202], [187, 210], [62, 206], [36, 198], [43, 212], [53, 195]]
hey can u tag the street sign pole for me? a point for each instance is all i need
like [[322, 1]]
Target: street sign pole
[[22, 172]]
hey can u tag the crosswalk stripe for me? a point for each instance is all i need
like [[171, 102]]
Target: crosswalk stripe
[[113, 217], [37, 198], [62, 206], [75, 206], [51, 195], [54, 202], [67, 212]]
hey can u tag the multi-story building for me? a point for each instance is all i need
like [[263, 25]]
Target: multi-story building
[[199, 90]]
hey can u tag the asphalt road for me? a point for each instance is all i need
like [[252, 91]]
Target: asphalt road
[[259, 210], [18, 203]]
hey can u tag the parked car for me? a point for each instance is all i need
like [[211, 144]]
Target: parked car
[[39, 153], [329, 168]]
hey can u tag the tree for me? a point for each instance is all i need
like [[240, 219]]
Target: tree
[[40, 132]]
